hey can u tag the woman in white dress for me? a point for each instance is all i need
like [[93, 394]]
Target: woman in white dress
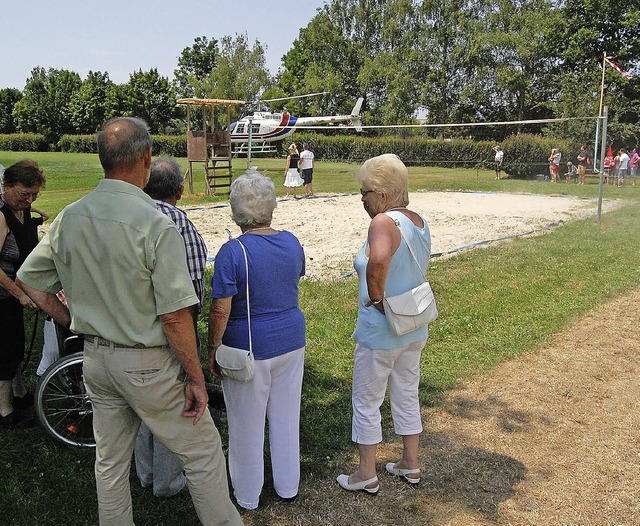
[[292, 178]]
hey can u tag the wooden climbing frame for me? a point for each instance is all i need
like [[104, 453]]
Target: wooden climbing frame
[[209, 146]]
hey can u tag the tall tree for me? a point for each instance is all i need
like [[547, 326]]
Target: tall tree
[[90, 105], [323, 58], [8, 99], [240, 73], [149, 96], [44, 108], [591, 28], [194, 64]]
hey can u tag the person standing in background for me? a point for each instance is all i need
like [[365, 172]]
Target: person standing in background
[[623, 166], [292, 177], [307, 164], [633, 165], [498, 159], [583, 157], [554, 165]]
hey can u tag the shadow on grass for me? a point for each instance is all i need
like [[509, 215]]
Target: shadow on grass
[[474, 478]]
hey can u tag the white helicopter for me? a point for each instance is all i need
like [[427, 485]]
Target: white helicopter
[[253, 133]]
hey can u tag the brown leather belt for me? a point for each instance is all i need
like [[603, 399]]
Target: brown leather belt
[[107, 343]]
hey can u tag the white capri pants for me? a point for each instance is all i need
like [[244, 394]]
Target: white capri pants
[[274, 393], [372, 370]]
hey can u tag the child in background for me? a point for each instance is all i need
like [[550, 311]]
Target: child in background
[[572, 171]]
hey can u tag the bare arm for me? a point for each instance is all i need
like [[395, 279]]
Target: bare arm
[[384, 239], [5, 281], [178, 327], [45, 216], [218, 318], [288, 163], [49, 303]]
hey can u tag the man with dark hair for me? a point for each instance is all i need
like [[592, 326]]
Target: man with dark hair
[[307, 164], [156, 466], [123, 268]]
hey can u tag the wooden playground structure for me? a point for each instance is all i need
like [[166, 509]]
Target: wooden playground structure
[[209, 146]]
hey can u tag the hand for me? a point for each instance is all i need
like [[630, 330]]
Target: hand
[[196, 401], [26, 301], [213, 366], [379, 306]]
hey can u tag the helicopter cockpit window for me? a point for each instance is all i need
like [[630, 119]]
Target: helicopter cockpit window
[[255, 128], [240, 128]]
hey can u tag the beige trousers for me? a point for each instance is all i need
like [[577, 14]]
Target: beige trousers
[[127, 386]]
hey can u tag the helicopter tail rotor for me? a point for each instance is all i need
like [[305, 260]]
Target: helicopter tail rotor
[[356, 114]]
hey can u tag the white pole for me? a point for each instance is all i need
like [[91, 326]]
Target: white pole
[[602, 154], [250, 119], [595, 149]]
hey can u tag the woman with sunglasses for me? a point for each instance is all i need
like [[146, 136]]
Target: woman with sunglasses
[[386, 265], [18, 237]]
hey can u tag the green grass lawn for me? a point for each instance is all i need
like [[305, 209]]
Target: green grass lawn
[[495, 303], [72, 175]]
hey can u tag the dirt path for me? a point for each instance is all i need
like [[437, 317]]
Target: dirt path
[[551, 438]]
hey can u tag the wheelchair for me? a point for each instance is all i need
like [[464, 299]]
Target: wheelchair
[[61, 402]]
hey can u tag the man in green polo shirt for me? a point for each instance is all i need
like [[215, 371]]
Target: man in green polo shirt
[[123, 268]]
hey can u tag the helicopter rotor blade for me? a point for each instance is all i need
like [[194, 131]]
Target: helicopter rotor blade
[[296, 97]]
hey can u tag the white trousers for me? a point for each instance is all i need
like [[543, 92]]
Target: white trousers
[[274, 394], [372, 370]]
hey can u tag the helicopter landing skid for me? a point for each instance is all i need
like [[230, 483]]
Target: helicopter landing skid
[[256, 147]]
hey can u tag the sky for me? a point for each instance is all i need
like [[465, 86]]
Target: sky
[[122, 36]]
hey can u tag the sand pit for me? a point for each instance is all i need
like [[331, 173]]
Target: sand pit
[[332, 228]]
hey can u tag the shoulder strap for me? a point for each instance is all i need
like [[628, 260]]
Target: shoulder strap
[[399, 225], [246, 265]]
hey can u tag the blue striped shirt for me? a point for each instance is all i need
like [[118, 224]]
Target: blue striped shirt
[[193, 243]]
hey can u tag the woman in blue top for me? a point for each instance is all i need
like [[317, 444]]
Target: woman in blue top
[[276, 263], [385, 266]]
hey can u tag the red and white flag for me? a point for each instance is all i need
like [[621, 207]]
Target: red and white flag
[[614, 66]]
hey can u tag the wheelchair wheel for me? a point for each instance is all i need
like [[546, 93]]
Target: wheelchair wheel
[[62, 404]]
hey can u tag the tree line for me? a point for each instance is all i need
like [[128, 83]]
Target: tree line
[[448, 60]]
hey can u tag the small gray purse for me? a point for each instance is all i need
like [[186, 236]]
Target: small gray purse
[[413, 309], [238, 364]]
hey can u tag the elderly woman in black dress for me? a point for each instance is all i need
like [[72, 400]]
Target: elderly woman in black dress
[[18, 236]]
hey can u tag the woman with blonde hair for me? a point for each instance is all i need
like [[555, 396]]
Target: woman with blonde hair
[[292, 178], [393, 260]]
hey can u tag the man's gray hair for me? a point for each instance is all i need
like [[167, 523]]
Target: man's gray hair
[[253, 199], [166, 179], [122, 142]]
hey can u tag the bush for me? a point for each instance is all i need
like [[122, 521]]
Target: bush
[[23, 142], [173, 145], [78, 144], [525, 155]]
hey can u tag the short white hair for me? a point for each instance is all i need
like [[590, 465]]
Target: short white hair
[[386, 174], [253, 199]]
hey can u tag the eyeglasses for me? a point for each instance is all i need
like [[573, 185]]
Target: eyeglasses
[[364, 192], [26, 195]]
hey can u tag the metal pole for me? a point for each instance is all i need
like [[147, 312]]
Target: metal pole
[[595, 152], [602, 154], [250, 119]]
